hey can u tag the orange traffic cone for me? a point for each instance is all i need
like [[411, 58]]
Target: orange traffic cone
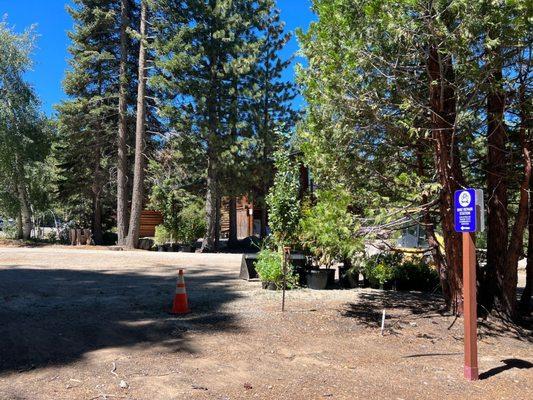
[[180, 304]]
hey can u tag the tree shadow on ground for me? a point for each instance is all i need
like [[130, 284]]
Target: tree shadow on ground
[[55, 316], [508, 364], [368, 310]]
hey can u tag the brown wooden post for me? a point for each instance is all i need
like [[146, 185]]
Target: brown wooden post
[[470, 307]]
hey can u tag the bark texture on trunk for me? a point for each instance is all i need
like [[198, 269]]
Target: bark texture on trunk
[[20, 234], [25, 210], [122, 161], [208, 244], [212, 192], [232, 221], [526, 305], [442, 100], [525, 300], [98, 235], [138, 173], [497, 213], [508, 278]]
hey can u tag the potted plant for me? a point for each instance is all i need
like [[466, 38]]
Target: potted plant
[[269, 267], [161, 237], [191, 225], [349, 274], [326, 230]]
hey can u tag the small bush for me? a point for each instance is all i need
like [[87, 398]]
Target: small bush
[[269, 267], [416, 275], [162, 235], [192, 223], [387, 269]]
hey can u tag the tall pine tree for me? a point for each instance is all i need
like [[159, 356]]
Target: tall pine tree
[[207, 49]]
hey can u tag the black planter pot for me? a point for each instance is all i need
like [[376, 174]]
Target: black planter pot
[[186, 248], [174, 247], [331, 277], [317, 279], [348, 280], [301, 272], [160, 247], [269, 285]]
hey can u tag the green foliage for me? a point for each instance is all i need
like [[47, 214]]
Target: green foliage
[[269, 267], [228, 107], [183, 214], [162, 235], [24, 133], [192, 222], [283, 200], [328, 230], [405, 273], [381, 268], [9, 230]]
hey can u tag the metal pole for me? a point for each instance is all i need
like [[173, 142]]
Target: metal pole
[[286, 255], [470, 307]]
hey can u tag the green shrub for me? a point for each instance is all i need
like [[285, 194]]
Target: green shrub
[[10, 230], [192, 224], [269, 267], [380, 269], [416, 275], [327, 229], [392, 268], [162, 235]]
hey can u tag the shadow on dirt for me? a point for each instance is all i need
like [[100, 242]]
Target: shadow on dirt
[[53, 316], [508, 364], [368, 310]]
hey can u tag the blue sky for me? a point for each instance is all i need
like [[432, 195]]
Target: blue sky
[[53, 22]]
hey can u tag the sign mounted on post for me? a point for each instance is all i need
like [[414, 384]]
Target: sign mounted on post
[[469, 210], [469, 217]]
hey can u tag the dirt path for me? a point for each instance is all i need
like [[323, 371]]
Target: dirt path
[[75, 323]]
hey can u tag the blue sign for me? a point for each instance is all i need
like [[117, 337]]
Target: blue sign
[[465, 210]]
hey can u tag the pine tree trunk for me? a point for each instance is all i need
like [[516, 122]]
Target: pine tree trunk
[[212, 195], [509, 275], [497, 213], [525, 300], [232, 240], [442, 103], [217, 222], [20, 233], [98, 235], [25, 210], [122, 162], [138, 173], [208, 244]]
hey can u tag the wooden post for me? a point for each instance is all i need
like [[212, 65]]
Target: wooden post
[[470, 307]]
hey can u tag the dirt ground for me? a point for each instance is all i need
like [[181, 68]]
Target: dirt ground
[[79, 324]]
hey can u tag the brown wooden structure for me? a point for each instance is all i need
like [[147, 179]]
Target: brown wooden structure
[[149, 220], [248, 218]]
